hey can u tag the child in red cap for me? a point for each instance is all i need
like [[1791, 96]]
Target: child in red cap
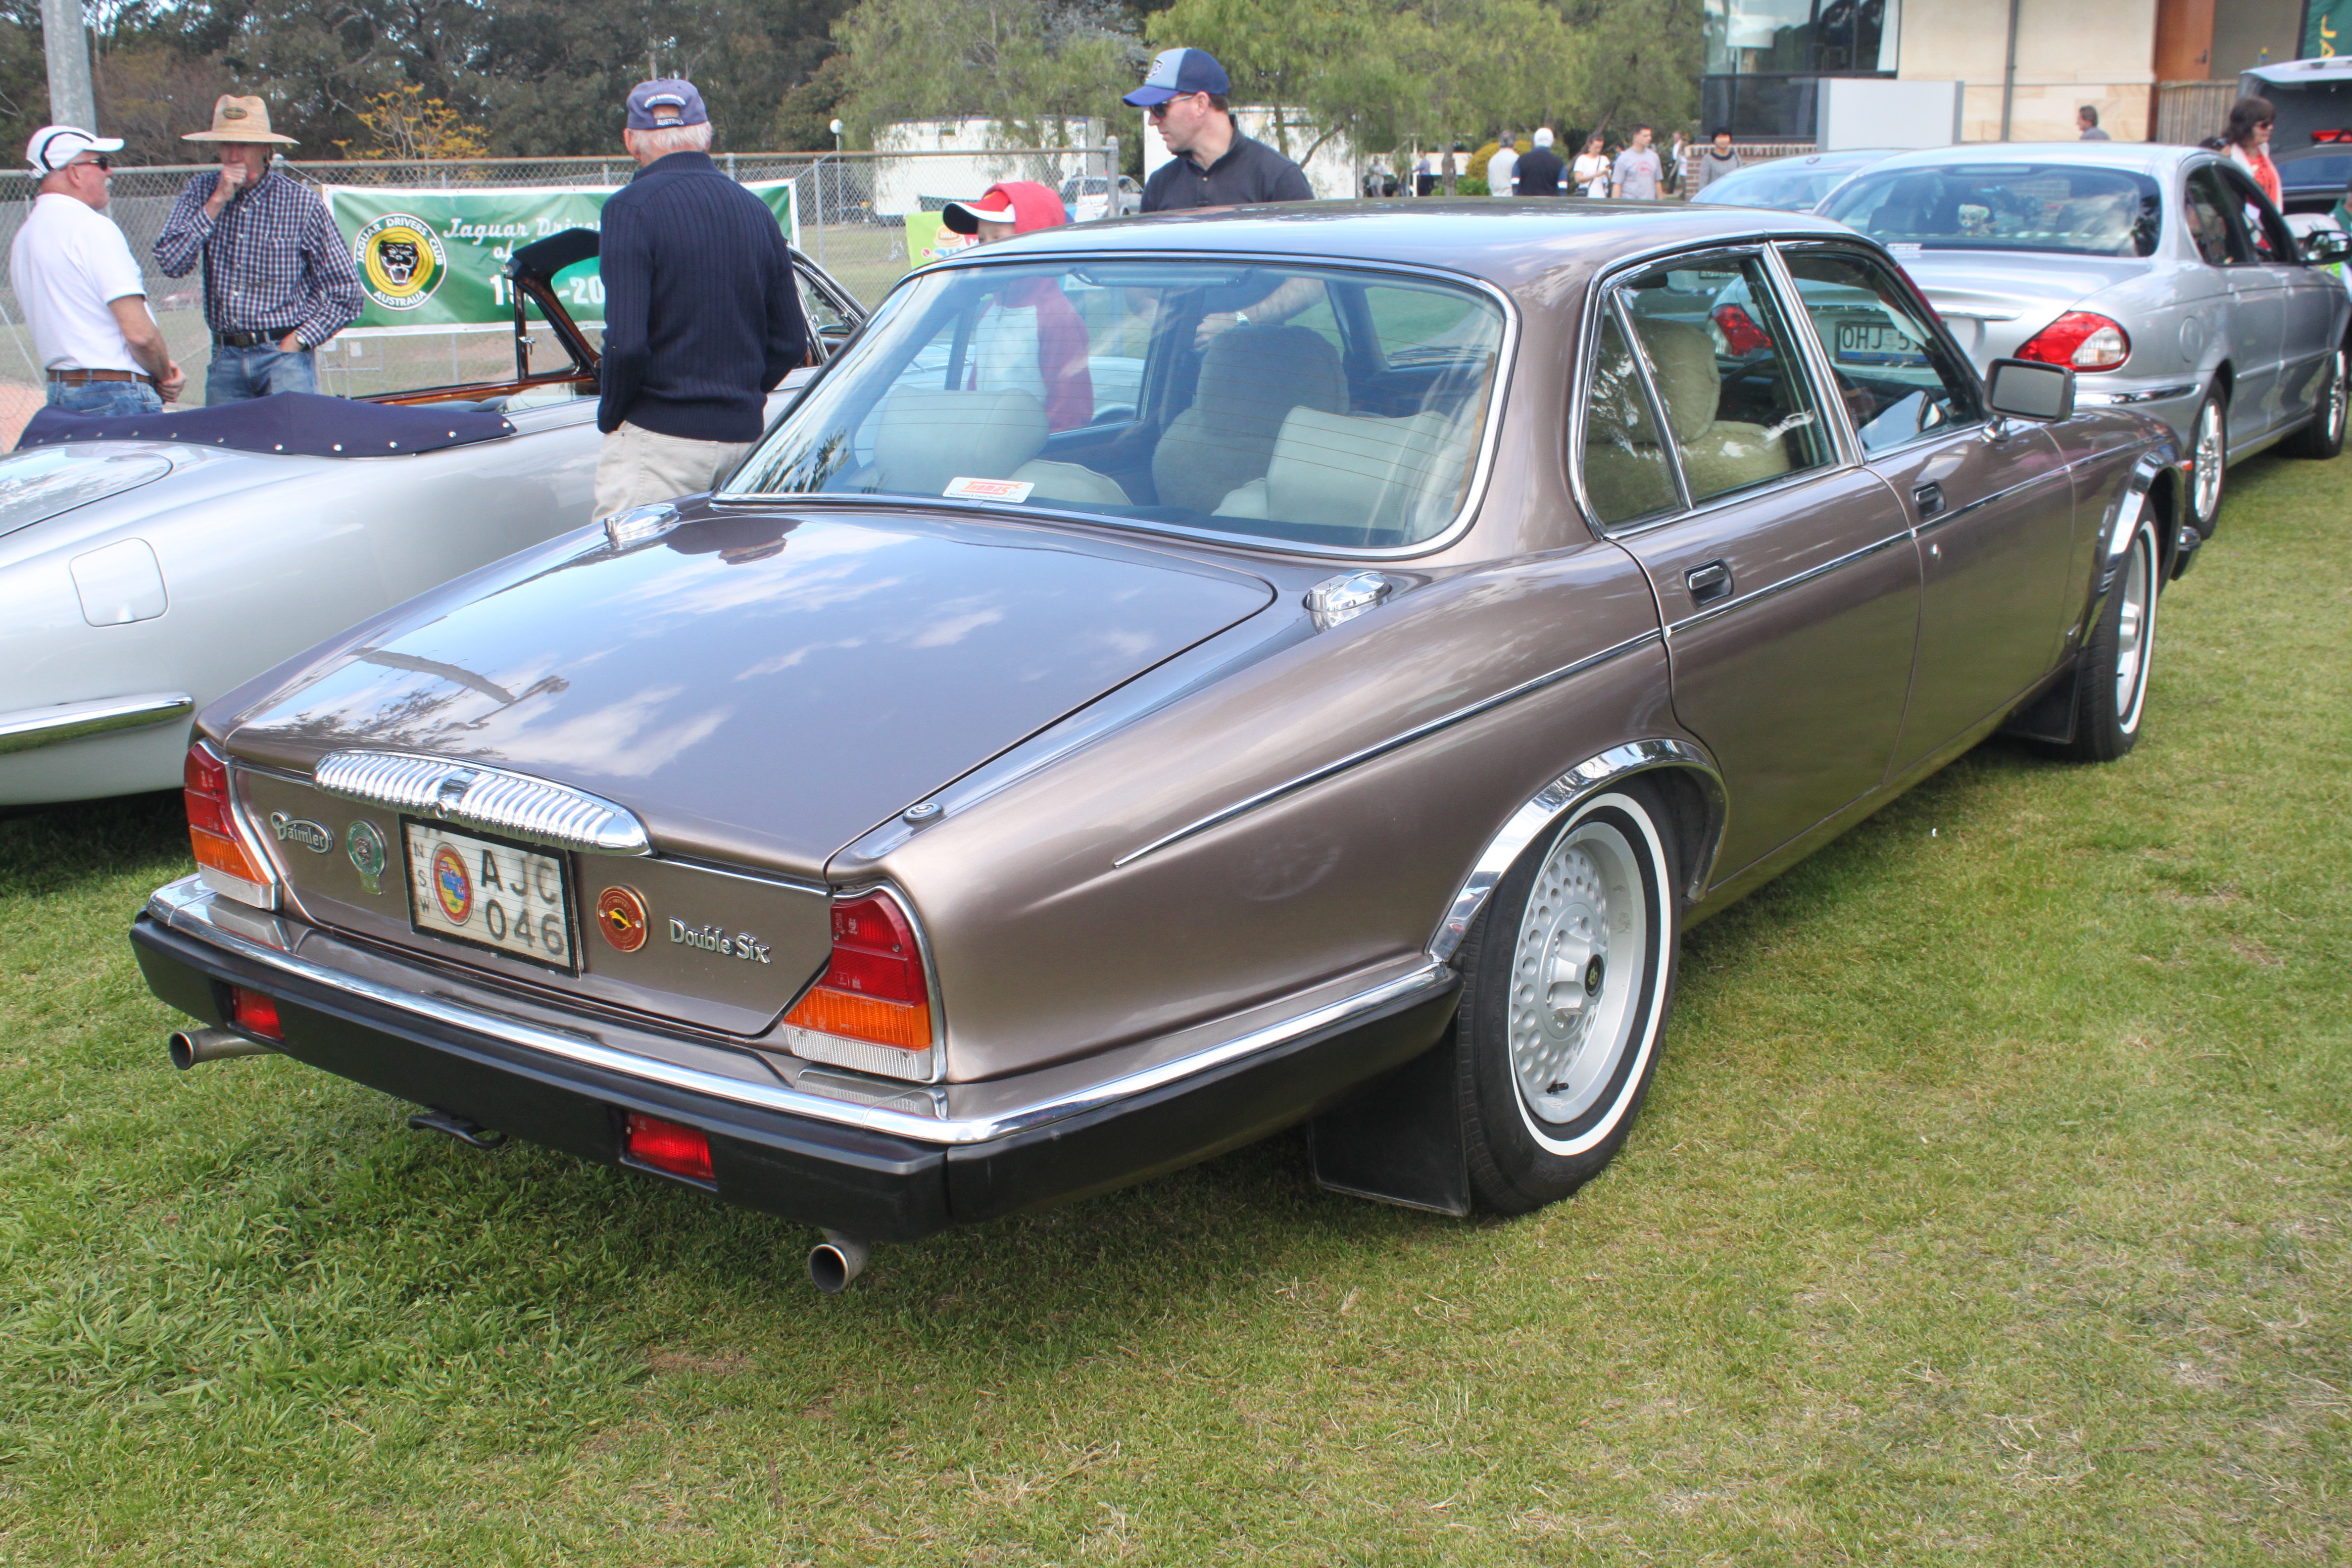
[[1030, 338]]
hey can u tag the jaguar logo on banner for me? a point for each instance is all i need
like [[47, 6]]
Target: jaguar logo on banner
[[400, 260]]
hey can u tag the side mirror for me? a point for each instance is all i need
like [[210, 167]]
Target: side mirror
[[2028, 389], [2323, 246]]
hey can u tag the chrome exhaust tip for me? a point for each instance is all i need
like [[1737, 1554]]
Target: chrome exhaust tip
[[189, 1046], [837, 1260]]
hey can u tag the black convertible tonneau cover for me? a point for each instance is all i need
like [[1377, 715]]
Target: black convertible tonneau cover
[[300, 423]]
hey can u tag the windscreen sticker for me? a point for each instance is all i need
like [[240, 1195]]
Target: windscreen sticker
[[988, 490]]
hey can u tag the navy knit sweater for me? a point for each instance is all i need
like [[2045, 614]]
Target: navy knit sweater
[[701, 319]]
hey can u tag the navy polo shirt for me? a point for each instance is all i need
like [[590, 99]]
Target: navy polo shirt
[[1249, 172]]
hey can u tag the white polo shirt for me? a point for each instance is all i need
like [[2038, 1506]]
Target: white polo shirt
[[67, 263]]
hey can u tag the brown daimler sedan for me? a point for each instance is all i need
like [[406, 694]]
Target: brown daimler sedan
[[1167, 681]]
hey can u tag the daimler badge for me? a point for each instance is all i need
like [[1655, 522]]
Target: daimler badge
[[295, 830], [364, 845], [621, 916]]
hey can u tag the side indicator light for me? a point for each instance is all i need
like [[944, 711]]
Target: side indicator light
[[255, 1013], [668, 1147], [227, 862]]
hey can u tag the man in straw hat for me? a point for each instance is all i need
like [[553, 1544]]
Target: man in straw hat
[[279, 280]]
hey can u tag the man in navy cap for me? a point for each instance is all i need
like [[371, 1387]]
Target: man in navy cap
[[1214, 165], [701, 317]]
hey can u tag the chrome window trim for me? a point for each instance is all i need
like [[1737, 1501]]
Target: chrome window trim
[[1555, 800], [1464, 517], [183, 906], [1380, 749], [29, 728], [1597, 302]]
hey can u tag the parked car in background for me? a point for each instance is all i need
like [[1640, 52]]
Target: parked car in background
[[141, 577], [2310, 139], [956, 813], [1089, 197], [1795, 184], [2161, 274]]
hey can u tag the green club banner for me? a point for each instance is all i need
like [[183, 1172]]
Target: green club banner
[[2326, 28], [434, 260]]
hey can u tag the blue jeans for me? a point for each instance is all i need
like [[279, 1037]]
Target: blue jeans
[[235, 375], [107, 399]]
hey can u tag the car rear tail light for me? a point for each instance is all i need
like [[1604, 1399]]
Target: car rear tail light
[[255, 1014], [871, 1009], [229, 864], [2336, 136], [668, 1147], [2081, 339], [1741, 335]]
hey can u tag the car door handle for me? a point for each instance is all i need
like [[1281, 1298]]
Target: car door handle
[[1928, 499], [1708, 583]]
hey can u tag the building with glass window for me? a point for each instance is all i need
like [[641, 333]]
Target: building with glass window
[[2028, 65]]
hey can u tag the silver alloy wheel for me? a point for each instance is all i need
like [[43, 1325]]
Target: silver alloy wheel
[[1577, 972], [2136, 630], [2209, 453]]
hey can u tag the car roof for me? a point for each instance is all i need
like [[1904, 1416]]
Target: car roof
[[2140, 157], [2288, 73], [1510, 242]]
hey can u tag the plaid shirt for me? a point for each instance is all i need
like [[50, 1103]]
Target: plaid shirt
[[274, 261]]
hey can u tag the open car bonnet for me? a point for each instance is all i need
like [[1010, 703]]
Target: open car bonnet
[[759, 687]]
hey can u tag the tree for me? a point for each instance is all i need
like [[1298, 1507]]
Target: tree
[[1641, 63], [402, 122], [1031, 66]]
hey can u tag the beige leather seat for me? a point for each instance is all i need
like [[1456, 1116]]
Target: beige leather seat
[[1398, 480], [1718, 455], [1251, 378], [925, 436]]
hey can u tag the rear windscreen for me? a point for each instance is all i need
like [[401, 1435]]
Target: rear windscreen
[[2059, 208]]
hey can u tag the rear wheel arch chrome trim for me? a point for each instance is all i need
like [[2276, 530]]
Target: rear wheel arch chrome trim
[[1564, 794]]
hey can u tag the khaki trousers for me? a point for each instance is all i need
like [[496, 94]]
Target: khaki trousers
[[636, 467]]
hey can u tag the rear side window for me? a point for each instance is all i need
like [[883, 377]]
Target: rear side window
[[1718, 361], [2207, 208], [1898, 378]]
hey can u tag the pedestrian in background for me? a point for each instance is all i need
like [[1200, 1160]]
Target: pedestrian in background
[[1502, 166], [85, 303], [278, 279], [2248, 143], [701, 317], [1029, 337], [1676, 163], [1718, 161], [1637, 172], [1539, 171], [1590, 173], [2087, 121], [1214, 165]]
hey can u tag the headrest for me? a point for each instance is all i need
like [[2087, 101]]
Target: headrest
[[1248, 371], [1681, 358], [925, 436]]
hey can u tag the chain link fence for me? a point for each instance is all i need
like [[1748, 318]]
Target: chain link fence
[[851, 208]]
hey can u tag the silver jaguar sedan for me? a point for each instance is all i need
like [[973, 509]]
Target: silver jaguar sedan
[[2162, 275]]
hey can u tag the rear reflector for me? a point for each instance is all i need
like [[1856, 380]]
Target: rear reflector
[[228, 863], [668, 1147], [255, 1014], [875, 992]]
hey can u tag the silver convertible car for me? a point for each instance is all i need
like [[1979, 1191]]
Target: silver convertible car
[[2163, 275], [144, 574], [989, 797]]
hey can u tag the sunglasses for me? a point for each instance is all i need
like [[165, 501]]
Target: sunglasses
[[95, 161], [1160, 111]]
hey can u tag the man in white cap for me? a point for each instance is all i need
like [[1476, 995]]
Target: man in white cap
[[84, 301], [278, 279]]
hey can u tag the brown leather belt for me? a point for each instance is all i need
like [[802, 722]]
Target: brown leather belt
[[77, 377]]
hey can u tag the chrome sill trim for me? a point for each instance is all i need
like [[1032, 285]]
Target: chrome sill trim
[[28, 729], [184, 907], [2124, 399], [1381, 749], [484, 797], [1715, 611]]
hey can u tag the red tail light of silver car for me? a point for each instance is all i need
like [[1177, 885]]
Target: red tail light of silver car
[[2080, 338], [872, 1008]]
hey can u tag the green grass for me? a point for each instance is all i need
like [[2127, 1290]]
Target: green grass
[[1991, 1209]]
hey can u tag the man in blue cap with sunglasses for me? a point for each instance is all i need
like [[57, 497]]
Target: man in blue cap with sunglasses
[[1214, 165]]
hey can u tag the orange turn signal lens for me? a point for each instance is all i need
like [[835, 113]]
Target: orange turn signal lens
[[854, 1017]]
